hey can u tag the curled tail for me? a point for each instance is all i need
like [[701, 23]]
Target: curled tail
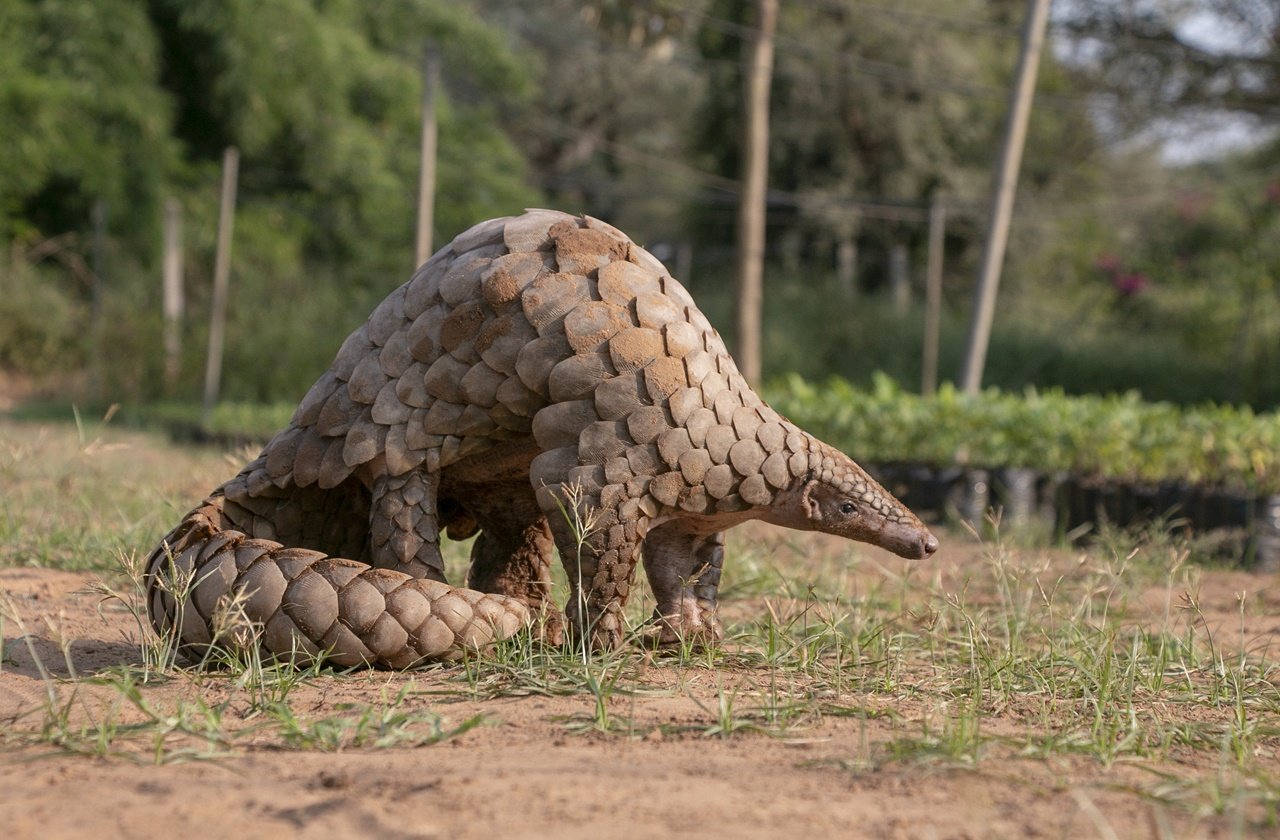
[[205, 580]]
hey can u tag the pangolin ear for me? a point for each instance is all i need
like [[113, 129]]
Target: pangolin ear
[[812, 509]]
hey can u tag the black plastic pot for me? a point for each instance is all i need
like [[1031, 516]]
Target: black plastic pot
[[1225, 509], [915, 485], [969, 496], [1077, 506], [1265, 548], [1015, 491], [1083, 505]]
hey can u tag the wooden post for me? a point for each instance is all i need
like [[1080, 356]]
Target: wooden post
[[899, 276], [1015, 138], [847, 264], [221, 281], [172, 292], [98, 216], [752, 203], [99, 256], [427, 153], [933, 299]]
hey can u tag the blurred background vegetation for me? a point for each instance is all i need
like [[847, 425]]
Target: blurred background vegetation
[[1145, 249]]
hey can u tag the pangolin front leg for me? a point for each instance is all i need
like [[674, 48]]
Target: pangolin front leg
[[683, 567], [598, 533], [601, 572]]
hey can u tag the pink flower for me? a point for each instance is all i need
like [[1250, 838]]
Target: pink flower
[[1191, 205], [1109, 263], [1130, 284]]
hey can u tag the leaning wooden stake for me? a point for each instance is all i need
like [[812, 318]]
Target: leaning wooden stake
[[221, 280], [1015, 138]]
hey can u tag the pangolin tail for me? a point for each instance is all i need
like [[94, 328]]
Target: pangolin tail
[[217, 587]]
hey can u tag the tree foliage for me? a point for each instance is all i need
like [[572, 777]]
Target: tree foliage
[[122, 104], [1220, 55], [618, 96], [628, 110], [124, 100], [84, 116]]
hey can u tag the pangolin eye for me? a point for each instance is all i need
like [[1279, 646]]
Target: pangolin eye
[[847, 508]]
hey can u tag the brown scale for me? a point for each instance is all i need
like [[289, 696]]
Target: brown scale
[[531, 355]]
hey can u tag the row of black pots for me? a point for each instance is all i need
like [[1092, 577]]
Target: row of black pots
[[1073, 506]]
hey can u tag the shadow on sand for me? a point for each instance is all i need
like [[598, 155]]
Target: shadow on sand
[[26, 655]]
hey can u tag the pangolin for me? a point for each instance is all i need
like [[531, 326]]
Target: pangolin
[[541, 380]]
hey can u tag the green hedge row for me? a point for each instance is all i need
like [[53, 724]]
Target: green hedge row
[[1116, 437], [229, 422]]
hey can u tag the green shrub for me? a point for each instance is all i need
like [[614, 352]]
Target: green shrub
[[41, 327]]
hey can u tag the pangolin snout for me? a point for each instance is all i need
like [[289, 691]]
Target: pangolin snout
[[920, 547], [910, 540]]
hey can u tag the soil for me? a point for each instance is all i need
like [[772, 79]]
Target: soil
[[526, 772]]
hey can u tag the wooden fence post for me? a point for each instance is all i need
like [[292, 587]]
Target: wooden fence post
[[221, 281], [172, 292], [427, 153]]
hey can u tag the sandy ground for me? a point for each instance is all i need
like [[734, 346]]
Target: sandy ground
[[527, 773]]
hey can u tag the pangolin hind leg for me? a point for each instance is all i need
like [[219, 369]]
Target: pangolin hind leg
[[517, 563], [404, 527], [513, 553]]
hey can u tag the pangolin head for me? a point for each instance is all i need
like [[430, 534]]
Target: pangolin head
[[840, 498]]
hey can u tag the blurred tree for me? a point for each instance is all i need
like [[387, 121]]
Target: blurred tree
[[323, 100], [888, 105], [130, 101], [84, 117], [1187, 56], [629, 110], [123, 99], [617, 98], [1204, 263], [1203, 254]]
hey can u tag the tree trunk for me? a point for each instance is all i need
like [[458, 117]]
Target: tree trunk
[[933, 300], [221, 281], [751, 207], [684, 263], [172, 298]]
